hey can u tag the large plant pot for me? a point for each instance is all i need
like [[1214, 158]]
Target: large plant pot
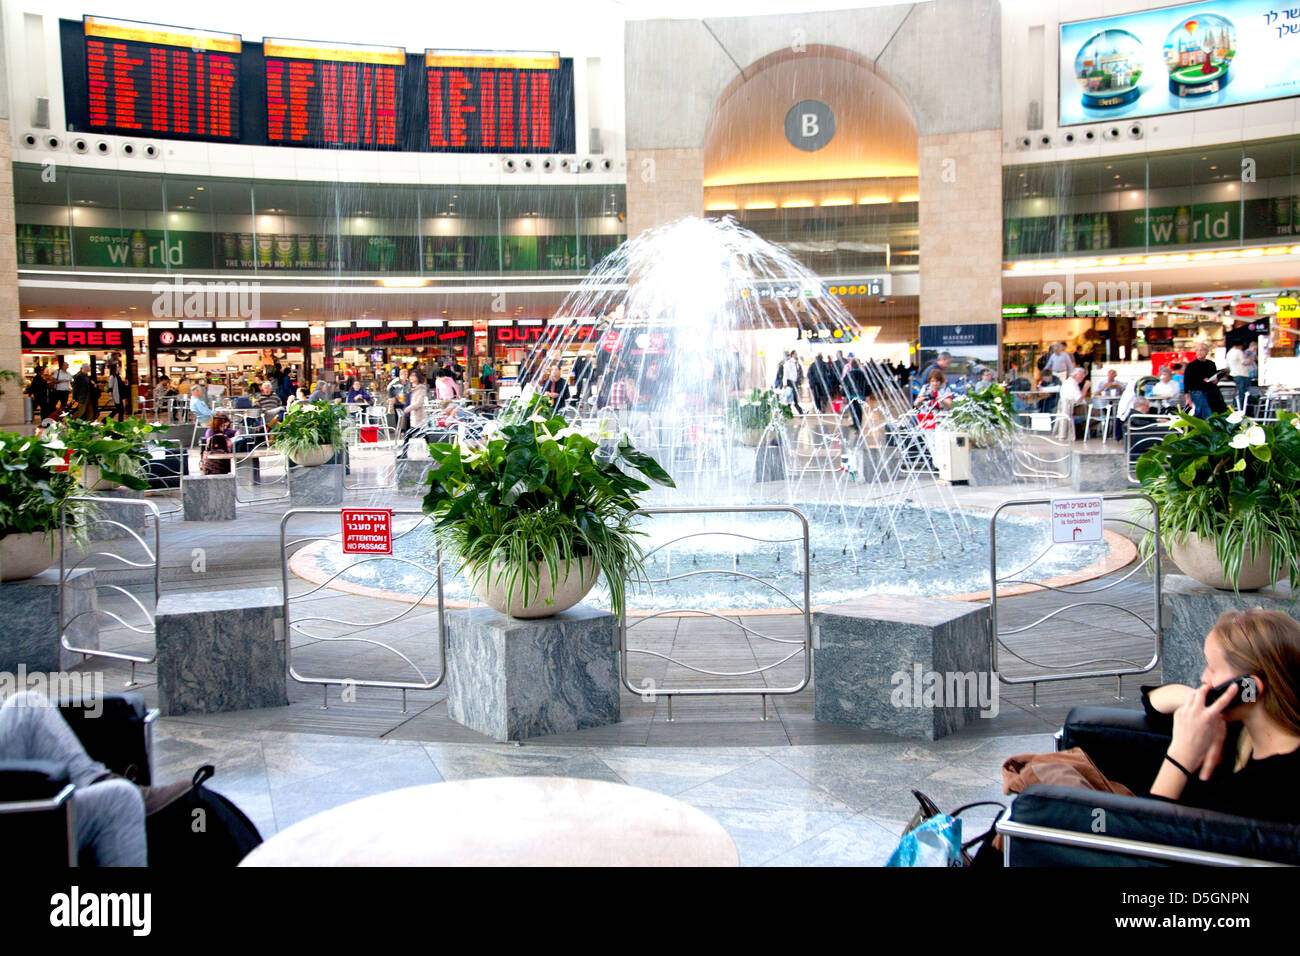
[[750, 436], [91, 480], [24, 555], [1196, 557], [574, 582], [313, 457]]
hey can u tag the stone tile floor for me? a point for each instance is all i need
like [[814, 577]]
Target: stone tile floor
[[790, 790]]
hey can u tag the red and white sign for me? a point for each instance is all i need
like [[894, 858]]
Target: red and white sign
[[367, 530], [610, 341], [1076, 520]]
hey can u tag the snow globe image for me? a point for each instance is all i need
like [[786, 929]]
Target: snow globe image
[[1198, 53], [1109, 69]]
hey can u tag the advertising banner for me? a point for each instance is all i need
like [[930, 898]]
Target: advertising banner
[[164, 340], [1179, 58]]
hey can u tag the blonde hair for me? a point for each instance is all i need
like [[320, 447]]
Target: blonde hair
[[1265, 643]]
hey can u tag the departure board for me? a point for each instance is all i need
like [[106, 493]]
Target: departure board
[[333, 94], [158, 80], [490, 102]]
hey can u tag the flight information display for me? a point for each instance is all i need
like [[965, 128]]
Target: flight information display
[[333, 94], [148, 79], [497, 101]]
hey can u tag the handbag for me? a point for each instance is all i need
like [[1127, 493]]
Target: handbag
[[933, 838]]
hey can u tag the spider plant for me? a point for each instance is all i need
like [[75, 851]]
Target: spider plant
[[1233, 481], [308, 426]]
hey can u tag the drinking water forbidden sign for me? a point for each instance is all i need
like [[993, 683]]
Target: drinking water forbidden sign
[[1076, 520], [367, 530]]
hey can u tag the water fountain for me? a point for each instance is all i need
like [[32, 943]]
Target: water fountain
[[660, 342]]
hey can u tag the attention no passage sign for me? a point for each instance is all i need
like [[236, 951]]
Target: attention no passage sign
[[367, 530], [1076, 520]]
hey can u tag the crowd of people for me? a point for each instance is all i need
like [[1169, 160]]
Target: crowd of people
[[56, 392]]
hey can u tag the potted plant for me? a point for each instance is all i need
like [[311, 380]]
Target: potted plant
[[35, 485], [1228, 490], [987, 415], [310, 432], [108, 453], [534, 516], [751, 417]]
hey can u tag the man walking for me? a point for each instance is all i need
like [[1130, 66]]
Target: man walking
[[1201, 382], [790, 372]]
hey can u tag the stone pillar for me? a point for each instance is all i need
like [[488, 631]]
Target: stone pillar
[[513, 679], [1191, 608], [11, 350], [30, 611], [960, 219], [913, 667], [220, 651], [315, 486], [663, 185], [208, 497]]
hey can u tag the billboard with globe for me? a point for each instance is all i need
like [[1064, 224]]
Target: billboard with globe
[[1189, 57]]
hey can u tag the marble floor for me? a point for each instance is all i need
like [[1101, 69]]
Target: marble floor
[[829, 805], [790, 790]]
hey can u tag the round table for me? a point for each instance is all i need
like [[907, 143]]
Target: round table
[[505, 821]]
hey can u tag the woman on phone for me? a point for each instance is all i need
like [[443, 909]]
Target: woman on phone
[[1238, 752]]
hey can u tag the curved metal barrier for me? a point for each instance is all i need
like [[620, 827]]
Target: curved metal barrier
[[301, 624], [144, 625], [802, 606], [1076, 670]]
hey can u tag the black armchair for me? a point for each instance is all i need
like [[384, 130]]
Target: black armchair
[[36, 806], [1066, 826]]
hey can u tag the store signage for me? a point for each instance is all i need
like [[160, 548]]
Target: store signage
[[367, 530], [170, 340], [62, 337], [958, 336], [1076, 520], [1176, 59], [145, 79], [809, 125], [333, 94], [387, 338]]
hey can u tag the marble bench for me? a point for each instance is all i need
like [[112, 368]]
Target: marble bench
[[913, 667], [1103, 468], [29, 609], [208, 497], [220, 651], [513, 679], [318, 485], [1190, 610]]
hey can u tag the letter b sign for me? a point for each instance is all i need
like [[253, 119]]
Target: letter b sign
[[809, 125]]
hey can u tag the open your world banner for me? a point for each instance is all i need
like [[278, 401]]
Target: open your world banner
[[1187, 57]]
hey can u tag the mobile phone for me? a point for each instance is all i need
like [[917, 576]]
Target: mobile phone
[[1247, 690]]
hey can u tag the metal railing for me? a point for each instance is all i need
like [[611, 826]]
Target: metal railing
[[1036, 451], [804, 609], [1141, 431], [145, 626], [370, 463], [1076, 670], [300, 624]]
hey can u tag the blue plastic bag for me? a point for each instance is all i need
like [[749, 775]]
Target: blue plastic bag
[[934, 842]]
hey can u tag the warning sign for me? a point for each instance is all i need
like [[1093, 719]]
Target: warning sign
[[1076, 520], [367, 530]]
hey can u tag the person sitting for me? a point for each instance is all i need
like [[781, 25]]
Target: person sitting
[[299, 397], [933, 398], [1240, 753], [1074, 393], [1112, 385], [322, 392], [199, 408], [1166, 391], [248, 399], [218, 440], [356, 395], [268, 403], [108, 811]]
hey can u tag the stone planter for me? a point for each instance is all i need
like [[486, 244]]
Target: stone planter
[[91, 480], [1196, 557], [574, 581], [24, 555], [313, 457]]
